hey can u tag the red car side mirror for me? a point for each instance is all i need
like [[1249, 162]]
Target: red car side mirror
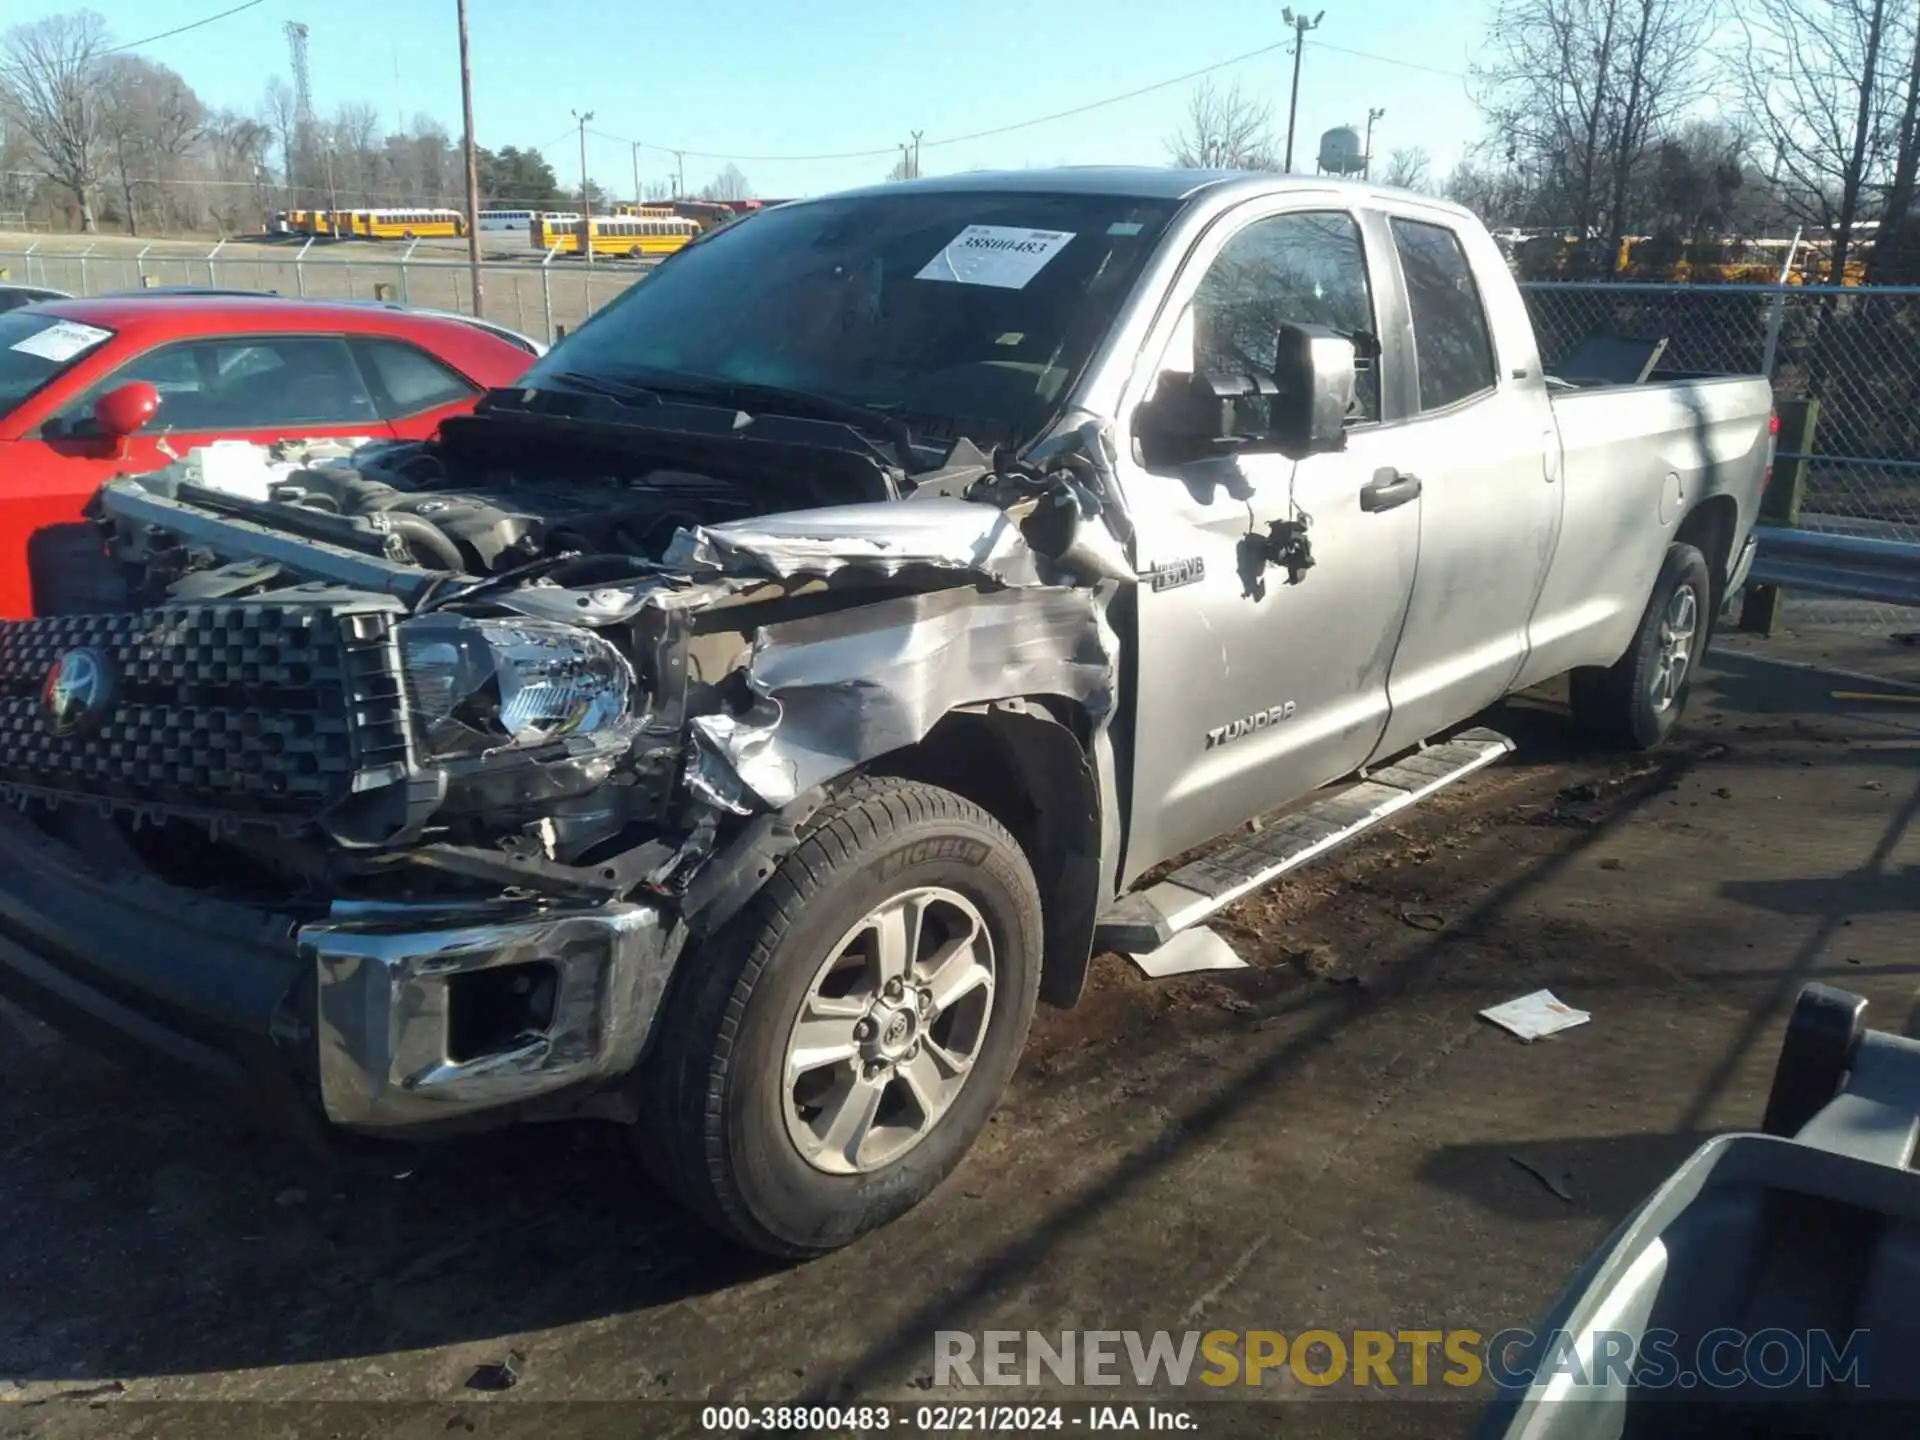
[[122, 412]]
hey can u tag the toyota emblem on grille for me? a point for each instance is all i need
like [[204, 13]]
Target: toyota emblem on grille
[[79, 691]]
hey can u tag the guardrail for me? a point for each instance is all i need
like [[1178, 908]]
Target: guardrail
[[1850, 567]]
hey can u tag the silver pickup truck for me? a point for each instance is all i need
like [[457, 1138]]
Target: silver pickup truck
[[738, 727]]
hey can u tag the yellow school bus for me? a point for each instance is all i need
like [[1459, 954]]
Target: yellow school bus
[[636, 237], [406, 224], [310, 222]]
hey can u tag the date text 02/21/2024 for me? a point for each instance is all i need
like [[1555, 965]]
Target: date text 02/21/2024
[[942, 1419]]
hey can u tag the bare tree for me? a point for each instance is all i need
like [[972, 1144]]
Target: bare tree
[[1408, 169], [236, 154], [51, 90], [280, 116], [1896, 251], [1499, 196], [729, 184], [1817, 85], [1579, 89], [1223, 131], [150, 122], [1659, 78], [354, 135]]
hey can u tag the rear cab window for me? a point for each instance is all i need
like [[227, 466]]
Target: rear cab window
[[36, 349], [1452, 342], [409, 381]]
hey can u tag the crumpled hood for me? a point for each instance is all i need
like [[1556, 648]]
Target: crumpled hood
[[885, 537]]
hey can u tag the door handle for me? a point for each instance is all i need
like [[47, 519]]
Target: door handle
[[1388, 489]]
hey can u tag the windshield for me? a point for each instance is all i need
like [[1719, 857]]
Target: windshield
[[34, 348], [960, 313]]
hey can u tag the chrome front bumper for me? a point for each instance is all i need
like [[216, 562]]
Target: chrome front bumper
[[396, 984]]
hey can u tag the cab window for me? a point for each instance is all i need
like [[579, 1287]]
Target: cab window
[[249, 382], [1305, 267], [1452, 344]]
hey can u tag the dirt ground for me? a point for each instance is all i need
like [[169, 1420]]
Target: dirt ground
[[516, 289], [1331, 1138]]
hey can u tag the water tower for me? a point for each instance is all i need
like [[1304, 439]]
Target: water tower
[[1341, 152]]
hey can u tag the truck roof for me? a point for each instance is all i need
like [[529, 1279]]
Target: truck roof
[[1145, 182]]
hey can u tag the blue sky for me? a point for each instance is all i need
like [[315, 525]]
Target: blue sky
[[765, 81]]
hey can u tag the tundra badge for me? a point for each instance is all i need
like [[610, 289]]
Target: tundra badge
[[1249, 724]]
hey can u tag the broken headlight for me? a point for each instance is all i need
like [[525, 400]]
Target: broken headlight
[[477, 686]]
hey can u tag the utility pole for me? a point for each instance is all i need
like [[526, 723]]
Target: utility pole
[[471, 157], [586, 194], [916, 153], [679, 175], [1301, 25], [333, 195], [1366, 155], [636, 174]]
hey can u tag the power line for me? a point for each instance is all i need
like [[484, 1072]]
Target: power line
[[182, 29], [1389, 60], [164, 34], [894, 150], [1113, 99]]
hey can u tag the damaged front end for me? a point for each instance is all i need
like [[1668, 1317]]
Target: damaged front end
[[485, 782]]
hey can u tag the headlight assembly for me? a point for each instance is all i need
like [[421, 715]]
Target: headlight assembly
[[478, 686]]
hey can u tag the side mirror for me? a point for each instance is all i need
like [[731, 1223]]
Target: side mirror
[[1313, 371], [123, 411], [1196, 416], [1299, 409]]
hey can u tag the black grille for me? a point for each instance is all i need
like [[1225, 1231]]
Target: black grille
[[271, 710]]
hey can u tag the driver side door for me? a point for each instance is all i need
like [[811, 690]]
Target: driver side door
[[1252, 687]]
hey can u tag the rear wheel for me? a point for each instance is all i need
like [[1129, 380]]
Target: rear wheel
[[1638, 700], [832, 1053]]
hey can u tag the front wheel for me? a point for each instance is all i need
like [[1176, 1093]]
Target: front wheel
[[831, 1054], [1638, 700]]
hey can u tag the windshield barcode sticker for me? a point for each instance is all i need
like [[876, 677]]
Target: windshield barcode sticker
[[61, 340], [1002, 256]]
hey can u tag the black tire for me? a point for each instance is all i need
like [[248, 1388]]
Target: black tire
[[1617, 704], [714, 1129]]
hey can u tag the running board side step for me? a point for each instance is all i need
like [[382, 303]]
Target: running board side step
[[1144, 921]]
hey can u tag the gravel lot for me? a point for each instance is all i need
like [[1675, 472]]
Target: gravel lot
[[1327, 1139]]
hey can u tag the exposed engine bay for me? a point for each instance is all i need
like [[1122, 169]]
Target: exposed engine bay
[[407, 504], [367, 669]]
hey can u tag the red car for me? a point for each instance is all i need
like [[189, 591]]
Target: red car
[[90, 389]]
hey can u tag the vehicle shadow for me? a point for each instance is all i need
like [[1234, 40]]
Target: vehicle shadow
[[149, 1234]]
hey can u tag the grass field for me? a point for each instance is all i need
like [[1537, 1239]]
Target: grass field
[[517, 290]]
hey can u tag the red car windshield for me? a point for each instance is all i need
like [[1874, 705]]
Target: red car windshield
[[36, 348]]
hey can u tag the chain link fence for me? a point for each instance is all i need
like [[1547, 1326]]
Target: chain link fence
[[1856, 351], [535, 297]]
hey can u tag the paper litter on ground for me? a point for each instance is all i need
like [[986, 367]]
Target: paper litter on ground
[[1536, 1015], [1188, 953]]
